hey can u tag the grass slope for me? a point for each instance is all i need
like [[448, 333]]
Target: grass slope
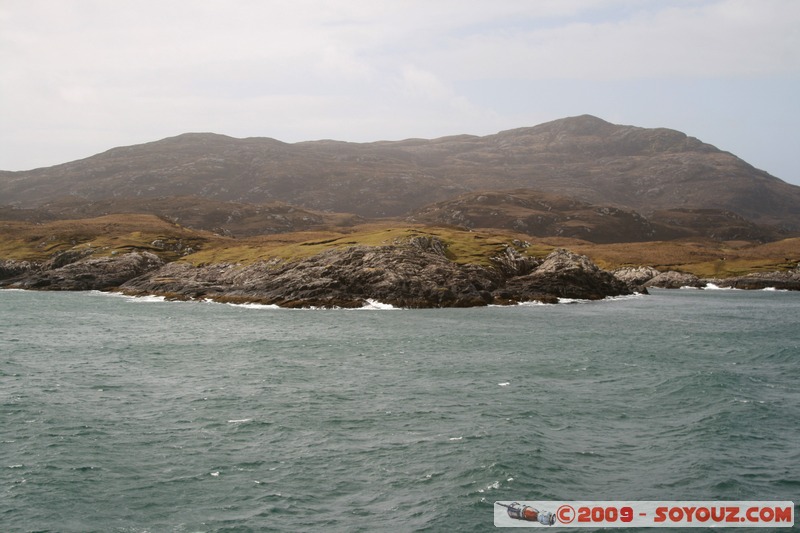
[[106, 235], [112, 234]]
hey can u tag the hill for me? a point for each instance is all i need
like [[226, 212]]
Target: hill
[[218, 216], [40, 242], [551, 215], [660, 174]]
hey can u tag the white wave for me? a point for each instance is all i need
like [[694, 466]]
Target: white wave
[[371, 304], [495, 486], [634, 296], [571, 301], [141, 299], [505, 384], [255, 306], [148, 299], [240, 421], [111, 294], [533, 303], [774, 289], [715, 287], [456, 438]]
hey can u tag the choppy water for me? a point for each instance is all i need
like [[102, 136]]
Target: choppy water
[[138, 415]]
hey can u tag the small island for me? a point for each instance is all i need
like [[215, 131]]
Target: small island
[[409, 267]]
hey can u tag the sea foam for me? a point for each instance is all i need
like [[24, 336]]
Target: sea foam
[[374, 305], [255, 306]]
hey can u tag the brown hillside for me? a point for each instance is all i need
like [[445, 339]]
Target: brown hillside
[[586, 158], [222, 217], [549, 215], [118, 234]]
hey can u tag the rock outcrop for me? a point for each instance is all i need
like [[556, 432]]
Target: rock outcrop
[[512, 263], [76, 272], [789, 281], [643, 277], [675, 280], [417, 275], [636, 276], [12, 269], [564, 274]]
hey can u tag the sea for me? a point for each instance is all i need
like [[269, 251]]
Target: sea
[[136, 415]]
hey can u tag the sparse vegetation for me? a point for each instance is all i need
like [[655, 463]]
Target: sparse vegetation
[[104, 235], [114, 234], [703, 258]]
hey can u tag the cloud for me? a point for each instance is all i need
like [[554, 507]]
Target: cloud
[[721, 39], [418, 82], [175, 46], [85, 75]]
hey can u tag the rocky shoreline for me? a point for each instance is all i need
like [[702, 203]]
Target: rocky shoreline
[[650, 277], [414, 274]]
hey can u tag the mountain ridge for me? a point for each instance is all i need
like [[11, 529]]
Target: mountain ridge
[[646, 170]]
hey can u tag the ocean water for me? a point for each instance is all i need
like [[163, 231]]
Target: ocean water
[[139, 415]]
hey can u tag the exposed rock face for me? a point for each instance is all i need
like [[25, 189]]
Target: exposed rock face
[[675, 280], [564, 274], [395, 275], [643, 277], [64, 272], [65, 258], [11, 269], [636, 275], [417, 274], [512, 263], [404, 276], [789, 281]]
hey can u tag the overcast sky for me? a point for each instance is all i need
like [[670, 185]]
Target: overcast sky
[[78, 77]]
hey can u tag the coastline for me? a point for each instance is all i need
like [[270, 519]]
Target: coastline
[[413, 274]]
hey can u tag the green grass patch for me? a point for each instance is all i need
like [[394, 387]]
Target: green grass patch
[[124, 233]]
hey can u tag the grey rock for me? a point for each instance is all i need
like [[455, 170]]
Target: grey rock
[[11, 268], [92, 273], [408, 275], [789, 281], [512, 263], [67, 257], [636, 277], [564, 274], [675, 280], [429, 244]]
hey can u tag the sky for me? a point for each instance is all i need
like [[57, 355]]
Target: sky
[[78, 77]]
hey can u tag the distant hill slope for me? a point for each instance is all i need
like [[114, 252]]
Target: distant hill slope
[[550, 215], [221, 217], [585, 158]]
